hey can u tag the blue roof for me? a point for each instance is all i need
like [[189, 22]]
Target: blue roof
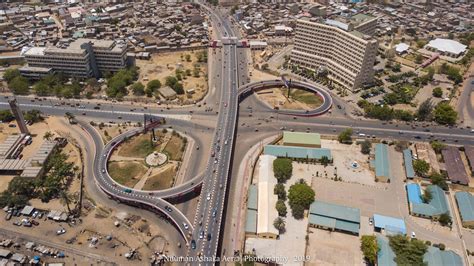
[[408, 162], [382, 165], [252, 200], [390, 224], [436, 257], [414, 193], [465, 202], [297, 152], [251, 222], [385, 255], [437, 205]]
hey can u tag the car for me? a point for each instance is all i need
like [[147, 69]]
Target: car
[[127, 190], [225, 142], [413, 235], [186, 226], [103, 171], [17, 223], [209, 237], [34, 222], [371, 221], [201, 235], [214, 213], [208, 196], [193, 244], [96, 107], [61, 231]]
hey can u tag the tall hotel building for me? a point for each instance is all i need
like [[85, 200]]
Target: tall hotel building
[[81, 58], [345, 48]]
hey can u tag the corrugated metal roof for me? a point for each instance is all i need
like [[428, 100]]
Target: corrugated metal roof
[[301, 138], [252, 200], [335, 211], [382, 164], [414, 193], [251, 222], [469, 151], [408, 162], [454, 165], [297, 152], [437, 205], [266, 198], [390, 224], [385, 255], [436, 257], [466, 205]]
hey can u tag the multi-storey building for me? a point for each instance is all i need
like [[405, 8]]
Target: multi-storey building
[[81, 58], [347, 54]]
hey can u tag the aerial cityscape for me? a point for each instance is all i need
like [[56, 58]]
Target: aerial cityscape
[[224, 132]]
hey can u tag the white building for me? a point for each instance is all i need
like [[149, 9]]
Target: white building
[[446, 47], [266, 198]]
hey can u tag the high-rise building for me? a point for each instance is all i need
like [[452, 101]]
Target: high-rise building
[[82, 58], [345, 49]]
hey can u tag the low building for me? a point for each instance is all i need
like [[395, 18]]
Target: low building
[[385, 254], [27, 210], [402, 48], [469, 151], [297, 152], [389, 225], [436, 257], [334, 217], [465, 202], [455, 165], [434, 208], [426, 153], [381, 164], [167, 92], [258, 45], [301, 139], [446, 47], [266, 212], [252, 206], [408, 164]]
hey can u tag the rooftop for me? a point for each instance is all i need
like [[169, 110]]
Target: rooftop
[[465, 202], [408, 163], [266, 198], [446, 45], [454, 165], [301, 138], [385, 255], [436, 257], [334, 216], [382, 165], [297, 152], [437, 205], [390, 224], [252, 200]]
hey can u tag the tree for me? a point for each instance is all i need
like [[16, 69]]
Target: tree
[[365, 147], [324, 161], [279, 224], [421, 167], [368, 245], [407, 252], [427, 196], [283, 169], [41, 89], [19, 85], [445, 114], [138, 89], [34, 116], [281, 208], [188, 57], [300, 197], [6, 116], [396, 68], [10, 74], [437, 146], [437, 92], [418, 59], [345, 136], [153, 85], [445, 219], [48, 135], [424, 110], [66, 199], [439, 180], [280, 191]]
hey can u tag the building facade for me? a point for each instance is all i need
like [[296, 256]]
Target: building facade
[[82, 58], [346, 54]]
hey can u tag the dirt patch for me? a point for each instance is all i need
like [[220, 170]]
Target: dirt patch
[[298, 100], [126, 173], [161, 180], [175, 148]]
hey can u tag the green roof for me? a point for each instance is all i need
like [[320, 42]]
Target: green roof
[[252, 200], [297, 152], [437, 205], [466, 205], [335, 211], [301, 138], [382, 165], [251, 222], [385, 255], [436, 257]]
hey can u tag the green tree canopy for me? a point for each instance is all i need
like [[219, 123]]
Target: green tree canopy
[[19, 85], [365, 147], [34, 116], [279, 224], [6, 116], [421, 167], [445, 219], [283, 169], [437, 146], [10, 74], [279, 190], [369, 247], [281, 208], [345, 136], [439, 180], [424, 110], [138, 89], [437, 92], [407, 252], [300, 197], [445, 114], [153, 85]]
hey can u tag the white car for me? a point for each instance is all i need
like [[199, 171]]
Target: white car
[[413, 235], [61, 231], [186, 226], [208, 196]]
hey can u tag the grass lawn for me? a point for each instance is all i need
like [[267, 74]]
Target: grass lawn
[[138, 147], [174, 148], [306, 97], [126, 173], [162, 180]]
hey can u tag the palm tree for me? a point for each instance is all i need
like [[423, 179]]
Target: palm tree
[[279, 224], [65, 199], [48, 135]]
